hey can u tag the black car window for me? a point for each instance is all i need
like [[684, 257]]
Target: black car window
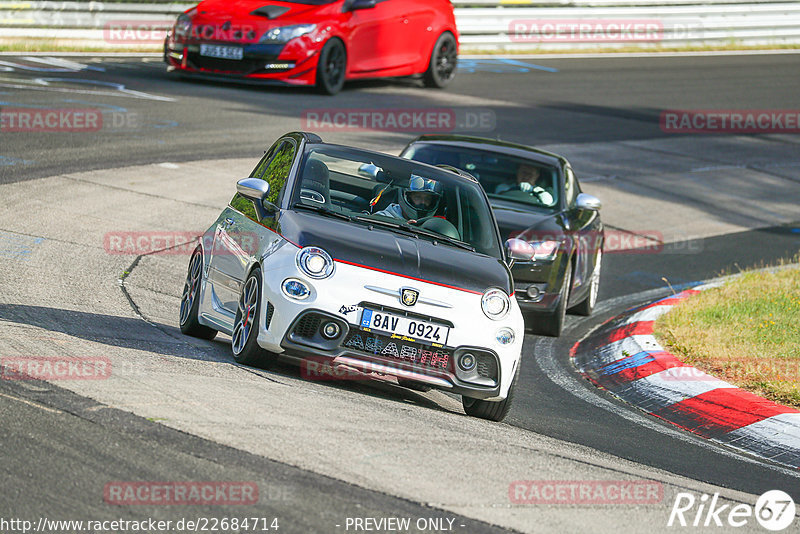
[[502, 176]]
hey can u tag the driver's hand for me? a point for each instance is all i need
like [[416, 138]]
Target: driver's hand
[[412, 221], [525, 187]]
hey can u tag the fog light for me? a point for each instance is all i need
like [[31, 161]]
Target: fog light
[[296, 289], [331, 330], [467, 361], [532, 291], [505, 336]]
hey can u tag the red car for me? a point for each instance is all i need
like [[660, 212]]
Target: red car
[[316, 42]]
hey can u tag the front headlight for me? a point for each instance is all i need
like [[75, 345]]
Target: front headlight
[[183, 26], [545, 250], [495, 304], [315, 262], [284, 34]]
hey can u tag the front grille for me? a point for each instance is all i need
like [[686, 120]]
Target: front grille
[[401, 351], [307, 326], [244, 66], [487, 365]]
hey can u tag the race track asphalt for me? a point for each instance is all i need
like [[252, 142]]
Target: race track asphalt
[[721, 203]]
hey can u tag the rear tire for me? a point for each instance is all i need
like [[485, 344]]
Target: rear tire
[[586, 307], [332, 67], [491, 410], [244, 344], [444, 59], [190, 300]]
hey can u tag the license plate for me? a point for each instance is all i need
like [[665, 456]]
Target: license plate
[[222, 52], [405, 328]]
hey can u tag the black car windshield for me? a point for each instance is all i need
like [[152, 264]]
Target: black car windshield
[[397, 195], [502, 176]]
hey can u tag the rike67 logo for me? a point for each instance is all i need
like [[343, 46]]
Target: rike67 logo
[[774, 510]]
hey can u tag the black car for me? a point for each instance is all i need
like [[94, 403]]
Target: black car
[[537, 199]]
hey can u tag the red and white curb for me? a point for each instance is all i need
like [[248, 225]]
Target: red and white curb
[[623, 357]]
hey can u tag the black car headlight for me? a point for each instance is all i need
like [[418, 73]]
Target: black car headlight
[[495, 304], [284, 34], [315, 262]]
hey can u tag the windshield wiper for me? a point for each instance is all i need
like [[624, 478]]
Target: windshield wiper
[[388, 224], [417, 231], [324, 211], [441, 237]]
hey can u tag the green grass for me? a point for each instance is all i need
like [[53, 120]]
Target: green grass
[[746, 332]]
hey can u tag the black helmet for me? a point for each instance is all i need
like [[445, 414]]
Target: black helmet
[[421, 199]]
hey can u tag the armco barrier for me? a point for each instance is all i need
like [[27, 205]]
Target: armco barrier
[[483, 24]]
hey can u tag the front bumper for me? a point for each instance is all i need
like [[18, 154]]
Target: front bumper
[[341, 298], [268, 63], [537, 285]]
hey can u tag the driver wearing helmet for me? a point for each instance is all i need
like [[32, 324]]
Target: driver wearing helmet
[[419, 201]]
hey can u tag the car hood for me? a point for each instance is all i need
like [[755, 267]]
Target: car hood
[[383, 250], [516, 220], [241, 10]]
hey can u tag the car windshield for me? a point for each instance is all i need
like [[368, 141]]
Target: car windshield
[[502, 176], [398, 195]]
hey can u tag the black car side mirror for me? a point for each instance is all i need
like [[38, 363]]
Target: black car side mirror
[[589, 202]]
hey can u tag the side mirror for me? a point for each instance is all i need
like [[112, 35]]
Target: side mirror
[[588, 202], [253, 188], [257, 190], [519, 250], [362, 4]]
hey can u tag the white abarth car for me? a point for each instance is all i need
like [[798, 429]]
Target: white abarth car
[[365, 261]]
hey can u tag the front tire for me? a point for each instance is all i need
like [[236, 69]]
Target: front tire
[[586, 307], [190, 300], [491, 410], [444, 59], [332, 67], [244, 344]]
